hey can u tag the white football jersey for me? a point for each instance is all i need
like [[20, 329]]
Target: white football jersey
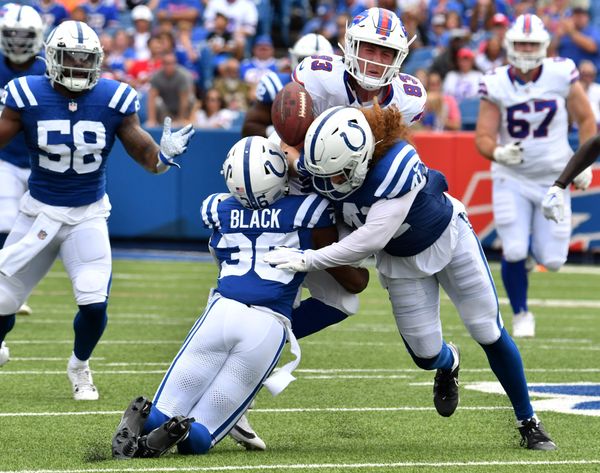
[[535, 114], [326, 80]]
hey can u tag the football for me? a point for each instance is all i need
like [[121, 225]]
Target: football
[[292, 113]]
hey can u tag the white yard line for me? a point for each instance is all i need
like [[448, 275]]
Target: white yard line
[[321, 466]]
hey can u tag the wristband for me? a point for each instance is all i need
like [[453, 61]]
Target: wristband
[[559, 184]]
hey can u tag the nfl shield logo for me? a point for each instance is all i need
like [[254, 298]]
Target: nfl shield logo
[[72, 106], [42, 235]]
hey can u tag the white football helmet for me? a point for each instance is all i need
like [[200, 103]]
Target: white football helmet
[[256, 172], [338, 147], [74, 56], [310, 44], [380, 27], [527, 29], [21, 32]]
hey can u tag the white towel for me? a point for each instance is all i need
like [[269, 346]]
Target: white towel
[[17, 255]]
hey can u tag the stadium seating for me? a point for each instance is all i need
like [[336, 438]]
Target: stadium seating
[[420, 58]]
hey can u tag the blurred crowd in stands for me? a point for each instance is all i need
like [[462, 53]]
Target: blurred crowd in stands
[[201, 60]]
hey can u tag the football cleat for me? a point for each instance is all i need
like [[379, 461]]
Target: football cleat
[[4, 354], [523, 325], [243, 433], [24, 310], [445, 387], [533, 435], [165, 437], [83, 384], [125, 440]]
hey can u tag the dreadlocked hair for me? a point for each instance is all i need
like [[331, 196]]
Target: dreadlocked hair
[[387, 127]]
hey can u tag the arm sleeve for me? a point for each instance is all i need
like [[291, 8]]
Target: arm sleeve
[[383, 221]]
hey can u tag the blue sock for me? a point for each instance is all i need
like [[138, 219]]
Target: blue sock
[[444, 360], [312, 316], [7, 322], [3, 237], [197, 442], [514, 277], [89, 325], [505, 361], [155, 419]]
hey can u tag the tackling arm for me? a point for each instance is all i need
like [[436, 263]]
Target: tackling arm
[[10, 125], [258, 118], [354, 280], [583, 157]]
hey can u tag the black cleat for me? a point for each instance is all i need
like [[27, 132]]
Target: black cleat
[[445, 388], [165, 437], [125, 440], [534, 437]]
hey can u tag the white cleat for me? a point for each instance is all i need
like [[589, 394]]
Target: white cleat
[[83, 384], [4, 354], [24, 310], [244, 435], [523, 325]]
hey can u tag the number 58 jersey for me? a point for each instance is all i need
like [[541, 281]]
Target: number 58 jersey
[[242, 236], [69, 139], [535, 114]]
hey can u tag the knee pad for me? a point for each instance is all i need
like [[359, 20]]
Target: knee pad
[[9, 304], [91, 287], [513, 252], [553, 265]]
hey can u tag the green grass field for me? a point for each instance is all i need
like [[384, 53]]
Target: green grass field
[[359, 403]]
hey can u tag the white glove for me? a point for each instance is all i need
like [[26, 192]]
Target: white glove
[[173, 144], [583, 180], [510, 154], [553, 205], [283, 257]]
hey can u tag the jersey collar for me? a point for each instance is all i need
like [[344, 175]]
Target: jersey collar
[[512, 75]]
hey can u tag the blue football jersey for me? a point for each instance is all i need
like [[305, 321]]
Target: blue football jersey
[[69, 139], [399, 171], [15, 152], [242, 236], [269, 85]]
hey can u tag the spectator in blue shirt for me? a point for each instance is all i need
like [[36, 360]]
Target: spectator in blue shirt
[[101, 15], [575, 38], [52, 13]]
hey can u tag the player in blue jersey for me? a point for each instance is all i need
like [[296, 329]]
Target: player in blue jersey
[[21, 39], [258, 118], [422, 238], [233, 347], [70, 120]]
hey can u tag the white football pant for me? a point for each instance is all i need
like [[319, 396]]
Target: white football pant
[[467, 281], [229, 352], [13, 184], [85, 252], [518, 215]]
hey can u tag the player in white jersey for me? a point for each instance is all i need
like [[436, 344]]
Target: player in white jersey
[[422, 239], [523, 128], [21, 40], [233, 347], [70, 120]]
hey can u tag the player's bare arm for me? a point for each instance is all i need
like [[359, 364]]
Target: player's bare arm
[[488, 124], [580, 112], [354, 280], [138, 143], [585, 156], [10, 125], [258, 118]]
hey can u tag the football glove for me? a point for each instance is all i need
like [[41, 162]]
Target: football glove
[[283, 257], [583, 180], [173, 144], [553, 205], [510, 154]]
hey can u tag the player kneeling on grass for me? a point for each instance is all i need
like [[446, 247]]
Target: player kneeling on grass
[[422, 238], [233, 347]]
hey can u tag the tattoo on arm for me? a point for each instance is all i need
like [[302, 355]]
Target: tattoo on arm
[[138, 143]]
